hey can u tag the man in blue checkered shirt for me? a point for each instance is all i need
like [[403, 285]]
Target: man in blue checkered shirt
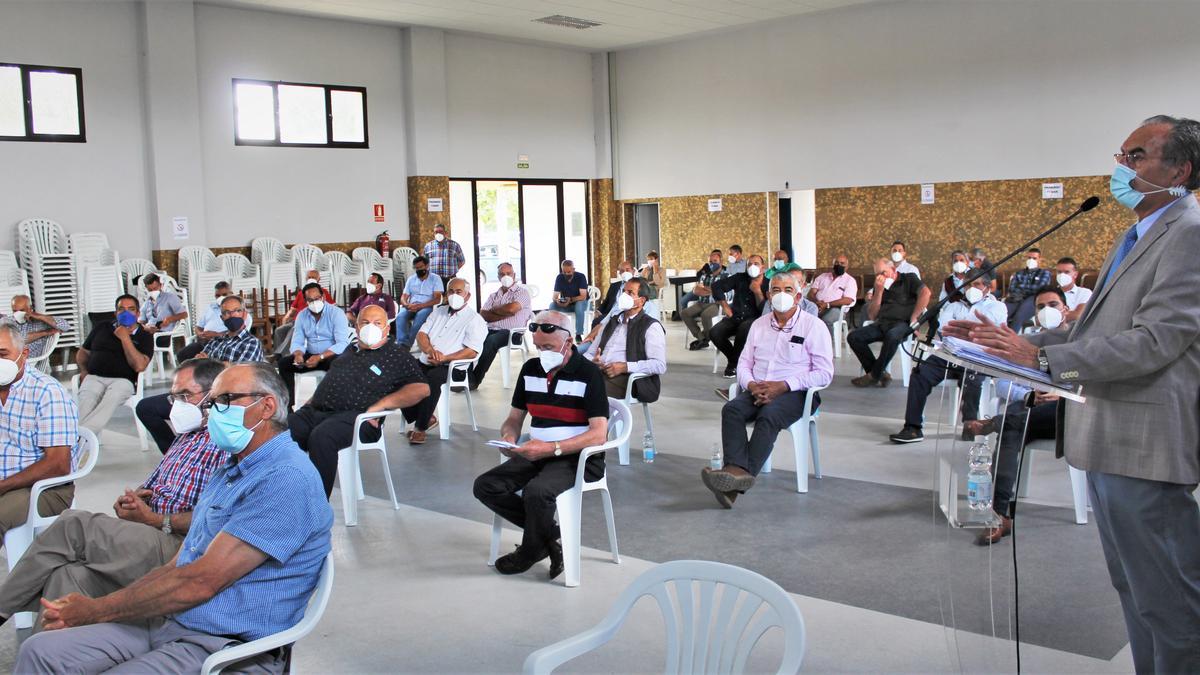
[[1023, 288], [39, 434], [445, 255]]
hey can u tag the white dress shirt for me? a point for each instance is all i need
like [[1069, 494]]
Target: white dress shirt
[[906, 267], [614, 352], [1077, 296], [989, 306], [449, 333]]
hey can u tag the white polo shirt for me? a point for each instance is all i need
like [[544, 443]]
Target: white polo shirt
[[1077, 296], [448, 333]]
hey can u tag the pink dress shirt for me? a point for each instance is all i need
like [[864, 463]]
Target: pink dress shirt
[[799, 353], [829, 288]]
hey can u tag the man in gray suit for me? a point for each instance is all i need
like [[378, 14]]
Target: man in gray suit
[[1135, 351]]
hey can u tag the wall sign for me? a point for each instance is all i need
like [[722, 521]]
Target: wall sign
[[714, 205], [926, 193], [379, 213], [179, 227], [433, 204], [1052, 190]]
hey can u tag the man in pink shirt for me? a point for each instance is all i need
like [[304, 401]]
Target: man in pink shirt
[[787, 353], [834, 290], [507, 308]]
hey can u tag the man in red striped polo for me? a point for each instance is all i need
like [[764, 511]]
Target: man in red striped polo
[[563, 394]]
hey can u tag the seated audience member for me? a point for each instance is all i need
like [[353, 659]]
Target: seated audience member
[[900, 258], [454, 331], [787, 353], [979, 260], [654, 274], [321, 333], [257, 542], [376, 375], [209, 326], [235, 345], [1022, 287], [959, 267], [563, 392], [735, 261], [109, 361], [1076, 296], [729, 335], [39, 435], [282, 337], [975, 301], [95, 554], [422, 292], [698, 317], [163, 309], [508, 307], [634, 342], [803, 303], [374, 296], [833, 290], [34, 327], [898, 299], [781, 263], [609, 302], [571, 294]]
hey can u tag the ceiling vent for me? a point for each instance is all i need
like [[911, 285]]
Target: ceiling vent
[[567, 22]]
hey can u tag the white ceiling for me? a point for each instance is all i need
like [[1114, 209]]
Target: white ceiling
[[626, 23]]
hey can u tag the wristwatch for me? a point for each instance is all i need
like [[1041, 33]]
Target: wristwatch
[[557, 449], [166, 526], [1043, 361]]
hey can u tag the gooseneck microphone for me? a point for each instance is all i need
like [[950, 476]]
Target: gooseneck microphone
[[932, 310]]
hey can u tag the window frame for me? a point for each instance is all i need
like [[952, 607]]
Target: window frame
[[27, 104], [365, 144]]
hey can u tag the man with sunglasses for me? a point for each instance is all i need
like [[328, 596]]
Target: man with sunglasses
[[96, 554], [246, 569], [564, 395]]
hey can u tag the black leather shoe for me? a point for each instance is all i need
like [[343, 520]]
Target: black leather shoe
[[730, 372], [516, 562], [556, 559], [908, 435], [697, 345]]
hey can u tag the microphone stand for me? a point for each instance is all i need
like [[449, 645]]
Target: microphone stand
[[933, 310]]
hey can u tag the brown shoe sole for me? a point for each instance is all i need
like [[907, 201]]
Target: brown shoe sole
[[723, 481], [725, 499]]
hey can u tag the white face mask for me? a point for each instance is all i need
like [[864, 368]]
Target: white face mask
[[1049, 318], [370, 336], [19, 317], [782, 302], [153, 294], [550, 359], [732, 260], [960, 267], [439, 237], [372, 289], [625, 302], [626, 276], [185, 417], [897, 256], [8, 372], [974, 295], [456, 302], [649, 263], [316, 306], [1064, 280], [1030, 263], [507, 281], [887, 283], [754, 271]]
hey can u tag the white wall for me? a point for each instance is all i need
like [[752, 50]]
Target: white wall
[[901, 92], [100, 185], [507, 99], [300, 194]]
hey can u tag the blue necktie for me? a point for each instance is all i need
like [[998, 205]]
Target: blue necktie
[[1127, 244]]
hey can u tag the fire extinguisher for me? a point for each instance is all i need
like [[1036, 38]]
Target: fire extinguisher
[[383, 243]]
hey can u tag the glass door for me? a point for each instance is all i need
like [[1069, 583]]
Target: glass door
[[540, 219]]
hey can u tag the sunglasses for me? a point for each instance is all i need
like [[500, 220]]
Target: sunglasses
[[546, 328]]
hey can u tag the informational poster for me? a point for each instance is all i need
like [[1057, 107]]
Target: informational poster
[[714, 205], [926, 193], [433, 204], [179, 227], [379, 213], [1052, 190]]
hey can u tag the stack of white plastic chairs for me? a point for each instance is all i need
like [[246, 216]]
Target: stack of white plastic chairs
[[97, 272], [13, 280], [374, 263], [274, 261], [132, 268], [402, 266], [199, 272], [50, 268], [344, 273], [242, 275], [307, 257]]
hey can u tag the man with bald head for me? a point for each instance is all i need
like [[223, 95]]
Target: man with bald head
[[376, 375], [36, 328], [898, 299], [834, 291]]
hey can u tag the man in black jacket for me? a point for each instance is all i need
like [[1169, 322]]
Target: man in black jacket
[[624, 273], [737, 315]]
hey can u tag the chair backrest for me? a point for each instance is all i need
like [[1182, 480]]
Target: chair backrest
[[236, 265], [40, 236], [620, 422], [134, 267], [268, 249], [197, 257]]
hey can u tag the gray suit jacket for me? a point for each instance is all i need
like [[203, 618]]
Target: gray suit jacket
[[1135, 350]]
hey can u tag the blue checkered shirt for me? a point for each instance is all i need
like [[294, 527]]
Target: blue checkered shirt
[[36, 347], [38, 414], [274, 501], [444, 258], [1025, 283], [240, 348], [183, 472]]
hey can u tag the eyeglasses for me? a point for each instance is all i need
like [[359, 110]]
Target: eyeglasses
[[221, 402], [1130, 158], [546, 328], [185, 396], [231, 312]]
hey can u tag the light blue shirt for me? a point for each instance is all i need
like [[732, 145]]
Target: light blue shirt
[[422, 290], [314, 335], [736, 267], [166, 304], [274, 501], [1146, 223], [211, 319]]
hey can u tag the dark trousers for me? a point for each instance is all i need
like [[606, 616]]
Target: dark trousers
[[288, 369], [892, 335], [1020, 312], [495, 341], [421, 413], [1008, 456], [930, 374], [189, 351], [751, 453], [323, 434], [153, 412], [539, 483], [729, 336], [1150, 533]]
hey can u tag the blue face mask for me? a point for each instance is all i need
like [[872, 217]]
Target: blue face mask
[[228, 430], [1121, 187], [126, 319]]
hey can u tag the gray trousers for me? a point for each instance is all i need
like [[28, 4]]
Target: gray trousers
[[832, 316], [698, 318], [159, 646], [99, 398], [770, 419], [1150, 532], [87, 553]]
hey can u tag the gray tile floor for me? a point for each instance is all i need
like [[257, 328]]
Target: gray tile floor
[[874, 569]]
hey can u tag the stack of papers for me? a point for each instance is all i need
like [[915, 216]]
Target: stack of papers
[[969, 351]]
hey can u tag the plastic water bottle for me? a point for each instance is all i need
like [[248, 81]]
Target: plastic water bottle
[[648, 448], [716, 462], [979, 478]]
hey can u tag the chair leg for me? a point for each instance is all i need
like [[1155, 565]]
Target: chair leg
[[570, 504], [16, 542], [800, 447], [348, 475], [141, 432], [814, 446], [443, 413], [612, 525], [1079, 491], [766, 467], [470, 408], [1026, 466], [505, 367], [837, 340], [649, 422], [495, 550]]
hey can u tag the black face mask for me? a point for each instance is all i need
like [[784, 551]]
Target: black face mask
[[839, 270], [422, 273], [234, 323]]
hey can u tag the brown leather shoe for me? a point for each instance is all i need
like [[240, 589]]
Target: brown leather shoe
[[725, 498], [993, 535], [866, 380], [973, 428], [885, 379], [416, 437]]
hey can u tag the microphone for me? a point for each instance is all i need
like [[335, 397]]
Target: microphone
[[932, 310]]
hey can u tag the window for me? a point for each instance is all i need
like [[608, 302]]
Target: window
[[41, 103], [299, 115]]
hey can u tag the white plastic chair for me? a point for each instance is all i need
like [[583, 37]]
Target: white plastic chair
[[18, 539], [623, 450], [534, 291], [195, 258], [217, 661], [904, 355], [805, 441], [593, 298], [134, 267], [182, 330], [716, 353], [516, 339], [42, 362], [463, 368], [350, 468], [569, 504], [841, 328], [307, 257], [139, 392], [373, 262], [704, 637], [1079, 485]]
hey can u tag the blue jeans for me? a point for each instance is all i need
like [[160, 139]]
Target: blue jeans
[[404, 334], [579, 308]]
